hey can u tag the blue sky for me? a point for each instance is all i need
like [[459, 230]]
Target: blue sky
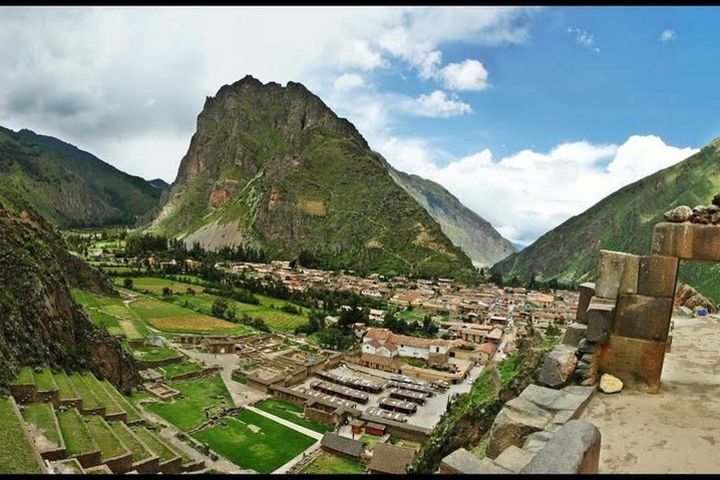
[[527, 115]]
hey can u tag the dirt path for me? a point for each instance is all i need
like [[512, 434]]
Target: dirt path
[[289, 424], [678, 429]]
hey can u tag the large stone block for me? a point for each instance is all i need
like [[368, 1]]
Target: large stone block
[[657, 276], [673, 239], [600, 316], [586, 290], [574, 333], [643, 317], [706, 242], [573, 448], [558, 366], [638, 363], [514, 458], [617, 274], [518, 419]]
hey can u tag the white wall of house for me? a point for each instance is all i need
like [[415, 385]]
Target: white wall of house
[[414, 352]]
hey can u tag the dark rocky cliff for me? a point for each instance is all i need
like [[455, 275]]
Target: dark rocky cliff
[[39, 321]]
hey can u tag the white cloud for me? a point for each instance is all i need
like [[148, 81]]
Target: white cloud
[[357, 53], [528, 193], [667, 35], [103, 77], [437, 104], [467, 75], [584, 38], [348, 81]]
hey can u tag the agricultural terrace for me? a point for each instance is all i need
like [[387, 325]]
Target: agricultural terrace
[[269, 309], [252, 441], [111, 313], [159, 447], [89, 399], [292, 413], [75, 433], [42, 416], [176, 369], [44, 380], [326, 463], [16, 453], [198, 396], [126, 436], [171, 318], [110, 445], [132, 412]]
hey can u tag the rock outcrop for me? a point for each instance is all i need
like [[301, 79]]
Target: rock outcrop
[[274, 169], [40, 323]]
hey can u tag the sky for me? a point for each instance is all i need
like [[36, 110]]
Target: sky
[[528, 115]]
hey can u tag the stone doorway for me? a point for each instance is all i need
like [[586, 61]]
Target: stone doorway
[[628, 310]]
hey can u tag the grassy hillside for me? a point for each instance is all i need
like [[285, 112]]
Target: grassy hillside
[[71, 187], [274, 168], [466, 229], [624, 221]]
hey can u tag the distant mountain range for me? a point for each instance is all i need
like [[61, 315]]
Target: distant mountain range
[[273, 168], [70, 187], [624, 221], [465, 228]]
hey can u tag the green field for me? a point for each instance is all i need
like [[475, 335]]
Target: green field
[[65, 386], [175, 369], [16, 453], [153, 353], [132, 412], [44, 380], [25, 377], [105, 398], [128, 438], [326, 463], [111, 313], [169, 317], [43, 417], [89, 399], [292, 413], [253, 441], [268, 310], [157, 446], [188, 411], [110, 446], [75, 433]]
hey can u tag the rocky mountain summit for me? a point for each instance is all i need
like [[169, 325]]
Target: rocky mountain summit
[[273, 168]]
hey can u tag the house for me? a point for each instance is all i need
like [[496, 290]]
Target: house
[[390, 459], [375, 429], [494, 336], [342, 446], [377, 315], [383, 342]]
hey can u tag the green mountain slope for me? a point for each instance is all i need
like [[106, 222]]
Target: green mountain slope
[[40, 324], [71, 187], [623, 221], [274, 168], [466, 229]]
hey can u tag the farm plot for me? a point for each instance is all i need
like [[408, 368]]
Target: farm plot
[[16, 453], [269, 309], [172, 318], [292, 413], [75, 433], [326, 463], [253, 441], [198, 397], [42, 417]]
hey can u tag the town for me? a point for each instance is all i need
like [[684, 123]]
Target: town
[[211, 382]]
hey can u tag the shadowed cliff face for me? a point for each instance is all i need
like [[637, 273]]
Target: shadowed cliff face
[[40, 323], [273, 167]]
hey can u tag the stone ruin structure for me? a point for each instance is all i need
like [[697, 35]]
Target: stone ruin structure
[[622, 328], [623, 320]]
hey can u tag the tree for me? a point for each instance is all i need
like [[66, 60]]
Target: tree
[[552, 330], [190, 291], [128, 283], [167, 291], [219, 307]]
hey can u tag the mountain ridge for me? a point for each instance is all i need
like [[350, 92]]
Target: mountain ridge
[[274, 168]]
